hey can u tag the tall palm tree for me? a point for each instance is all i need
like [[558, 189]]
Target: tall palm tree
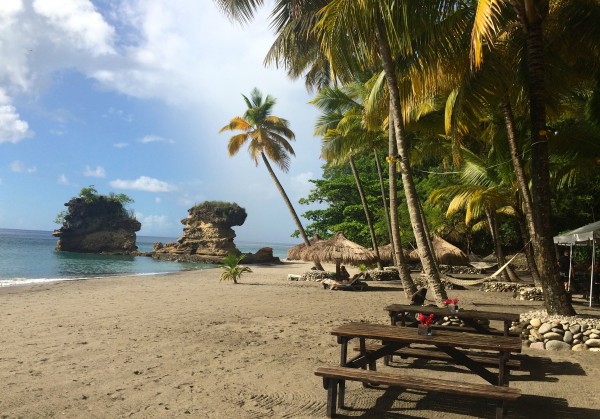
[[529, 16], [268, 138], [372, 31], [344, 136]]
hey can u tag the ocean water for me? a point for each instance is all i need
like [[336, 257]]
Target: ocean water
[[28, 257]]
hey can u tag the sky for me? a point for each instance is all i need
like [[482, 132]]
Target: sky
[[129, 96]]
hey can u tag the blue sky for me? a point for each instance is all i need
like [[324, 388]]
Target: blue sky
[[129, 96]]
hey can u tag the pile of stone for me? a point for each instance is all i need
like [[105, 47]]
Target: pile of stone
[[449, 269], [315, 275], [577, 333], [455, 321], [520, 291], [497, 286], [421, 281], [529, 293], [384, 275]]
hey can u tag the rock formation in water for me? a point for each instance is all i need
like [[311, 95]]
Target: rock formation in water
[[208, 235], [101, 225]]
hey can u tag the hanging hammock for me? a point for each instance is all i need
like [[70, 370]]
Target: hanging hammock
[[472, 282]]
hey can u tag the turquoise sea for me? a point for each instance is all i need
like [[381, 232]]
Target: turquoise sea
[[28, 257]]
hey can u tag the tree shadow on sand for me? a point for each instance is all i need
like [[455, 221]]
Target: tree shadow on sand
[[396, 403], [537, 368]]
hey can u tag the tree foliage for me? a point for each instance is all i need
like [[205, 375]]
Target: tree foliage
[[90, 196], [232, 270]]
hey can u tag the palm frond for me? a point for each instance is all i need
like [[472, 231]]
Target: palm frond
[[236, 124], [236, 142]]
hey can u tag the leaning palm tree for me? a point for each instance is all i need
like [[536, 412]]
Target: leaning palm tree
[[268, 137]]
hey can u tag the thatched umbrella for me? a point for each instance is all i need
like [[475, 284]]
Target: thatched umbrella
[[295, 252], [338, 250], [445, 253], [385, 253]]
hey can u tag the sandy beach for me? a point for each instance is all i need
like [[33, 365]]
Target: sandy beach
[[186, 345]]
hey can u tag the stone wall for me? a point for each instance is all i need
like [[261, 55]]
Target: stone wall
[[577, 333]]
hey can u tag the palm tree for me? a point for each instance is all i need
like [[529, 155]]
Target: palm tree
[[232, 271], [484, 192], [344, 136], [529, 16], [268, 137], [370, 32]]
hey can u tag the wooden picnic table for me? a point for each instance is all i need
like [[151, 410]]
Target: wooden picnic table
[[394, 338], [405, 314]]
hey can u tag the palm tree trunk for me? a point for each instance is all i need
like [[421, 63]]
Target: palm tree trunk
[[365, 206], [493, 226], [403, 270], [555, 295], [384, 198], [289, 205], [428, 237], [527, 248], [412, 201], [517, 161]]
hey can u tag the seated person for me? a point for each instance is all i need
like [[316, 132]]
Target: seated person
[[344, 274], [418, 298]]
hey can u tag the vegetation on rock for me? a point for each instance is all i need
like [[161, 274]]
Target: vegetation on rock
[[95, 223]]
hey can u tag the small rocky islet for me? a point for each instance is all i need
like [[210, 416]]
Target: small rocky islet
[[102, 225]]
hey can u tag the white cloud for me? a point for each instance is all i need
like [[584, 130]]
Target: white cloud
[[155, 139], [12, 128], [18, 166], [9, 8], [143, 183], [157, 200], [118, 113], [153, 222], [79, 22], [62, 179], [187, 201], [120, 145], [98, 172]]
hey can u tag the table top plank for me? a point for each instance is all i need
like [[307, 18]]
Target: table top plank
[[390, 333], [467, 314]]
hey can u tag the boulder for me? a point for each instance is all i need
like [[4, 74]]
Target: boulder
[[557, 345], [263, 255]]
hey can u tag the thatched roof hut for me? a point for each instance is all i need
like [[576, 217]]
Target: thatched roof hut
[[294, 253], [385, 253], [338, 250], [445, 253]]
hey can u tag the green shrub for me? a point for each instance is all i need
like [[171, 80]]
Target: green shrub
[[232, 271]]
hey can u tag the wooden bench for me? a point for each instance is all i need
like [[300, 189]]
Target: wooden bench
[[334, 376], [408, 352]]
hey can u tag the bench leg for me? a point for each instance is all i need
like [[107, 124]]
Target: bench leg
[[500, 409], [341, 394], [332, 386]]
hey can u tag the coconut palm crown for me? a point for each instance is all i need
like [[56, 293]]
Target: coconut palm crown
[[264, 133]]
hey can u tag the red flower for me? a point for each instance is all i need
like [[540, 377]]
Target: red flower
[[425, 321], [448, 301], [455, 301]]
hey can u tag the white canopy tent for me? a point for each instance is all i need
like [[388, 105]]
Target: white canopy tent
[[586, 235]]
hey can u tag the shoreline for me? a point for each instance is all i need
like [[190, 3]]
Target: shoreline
[[186, 345]]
